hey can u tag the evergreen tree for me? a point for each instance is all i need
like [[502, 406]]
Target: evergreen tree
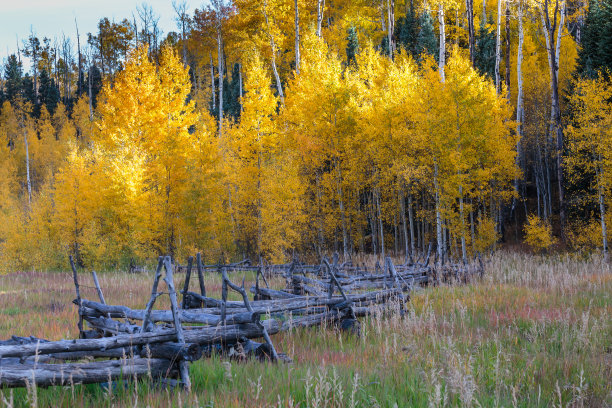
[[48, 93], [231, 94], [96, 83], [352, 48], [484, 60], [13, 76], [28, 89], [427, 41], [407, 31], [596, 52]]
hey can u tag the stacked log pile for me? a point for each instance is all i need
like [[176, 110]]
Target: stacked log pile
[[123, 342], [147, 343]]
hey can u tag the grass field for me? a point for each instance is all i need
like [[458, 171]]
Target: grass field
[[535, 332]]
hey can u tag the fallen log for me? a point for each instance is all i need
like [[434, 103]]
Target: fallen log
[[169, 351], [44, 375], [204, 335], [304, 302], [185, 316]]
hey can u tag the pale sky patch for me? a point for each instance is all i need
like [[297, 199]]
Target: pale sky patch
[[55, 19]]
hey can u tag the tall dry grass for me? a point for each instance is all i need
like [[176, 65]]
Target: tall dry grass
[[535, 331]]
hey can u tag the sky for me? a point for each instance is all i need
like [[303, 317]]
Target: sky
[[54, 18]]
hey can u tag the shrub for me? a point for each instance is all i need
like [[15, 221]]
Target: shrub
[[486, 235], [538, 233]]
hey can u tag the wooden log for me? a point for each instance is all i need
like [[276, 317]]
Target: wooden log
[[302, 302], [183, 365], [397, 282], [98, 288], [187, 278], [154, 295], [186, 316], [247, 304], [275, 294], [204, 335], [44, 375], [108, 325], [200, 274], [169, 351], [173, 351], [78, 294]]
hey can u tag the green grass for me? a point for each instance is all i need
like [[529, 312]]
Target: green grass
[[535, 332]]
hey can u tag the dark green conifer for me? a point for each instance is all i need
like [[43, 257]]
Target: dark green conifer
[[427, 42], [352, 48]]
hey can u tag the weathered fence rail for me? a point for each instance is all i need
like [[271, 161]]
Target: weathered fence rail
[[129, 343]]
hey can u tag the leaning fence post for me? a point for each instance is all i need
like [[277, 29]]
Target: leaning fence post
[[183, 365], [247, 304], [200, 274], [154, 295], [78, 294], [187, 278]]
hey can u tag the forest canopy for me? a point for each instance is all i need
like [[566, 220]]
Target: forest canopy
[[280, 127]]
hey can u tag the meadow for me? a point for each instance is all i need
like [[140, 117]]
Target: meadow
[[536, 331]]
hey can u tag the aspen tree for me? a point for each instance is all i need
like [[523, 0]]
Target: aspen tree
[[590, 142]]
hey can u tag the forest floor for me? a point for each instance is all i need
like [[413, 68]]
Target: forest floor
[[535, 331]]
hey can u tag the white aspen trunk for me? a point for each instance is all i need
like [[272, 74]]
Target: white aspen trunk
[[220, 63], [411, 220], [602, 214], [484, 11], [423, 224], [320, 11], [212, 83], [395, 234], [259, 204], [498, 47], [319, 212], [297, 38], [373, 227], [507, 53], [471, 35], [442, 57], [559, 34], [342, 214], [439, 245], [462, 215], [519, 100], [27, 157], [553, 63], [391, 26], [519, 77], [380, 225], [472, 228], [383, 19], [240, 85], [404, 226], [90, 95], [80, 57], [279, 85]]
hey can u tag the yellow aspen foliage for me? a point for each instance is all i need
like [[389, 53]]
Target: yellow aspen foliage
[[144, 133], [208, 226], [590, 143], [75, 203], [8, 187], [265, 187], [590, 134], [318, 109], [486, 235], [65, 131], [83, 123], [538, 233]]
